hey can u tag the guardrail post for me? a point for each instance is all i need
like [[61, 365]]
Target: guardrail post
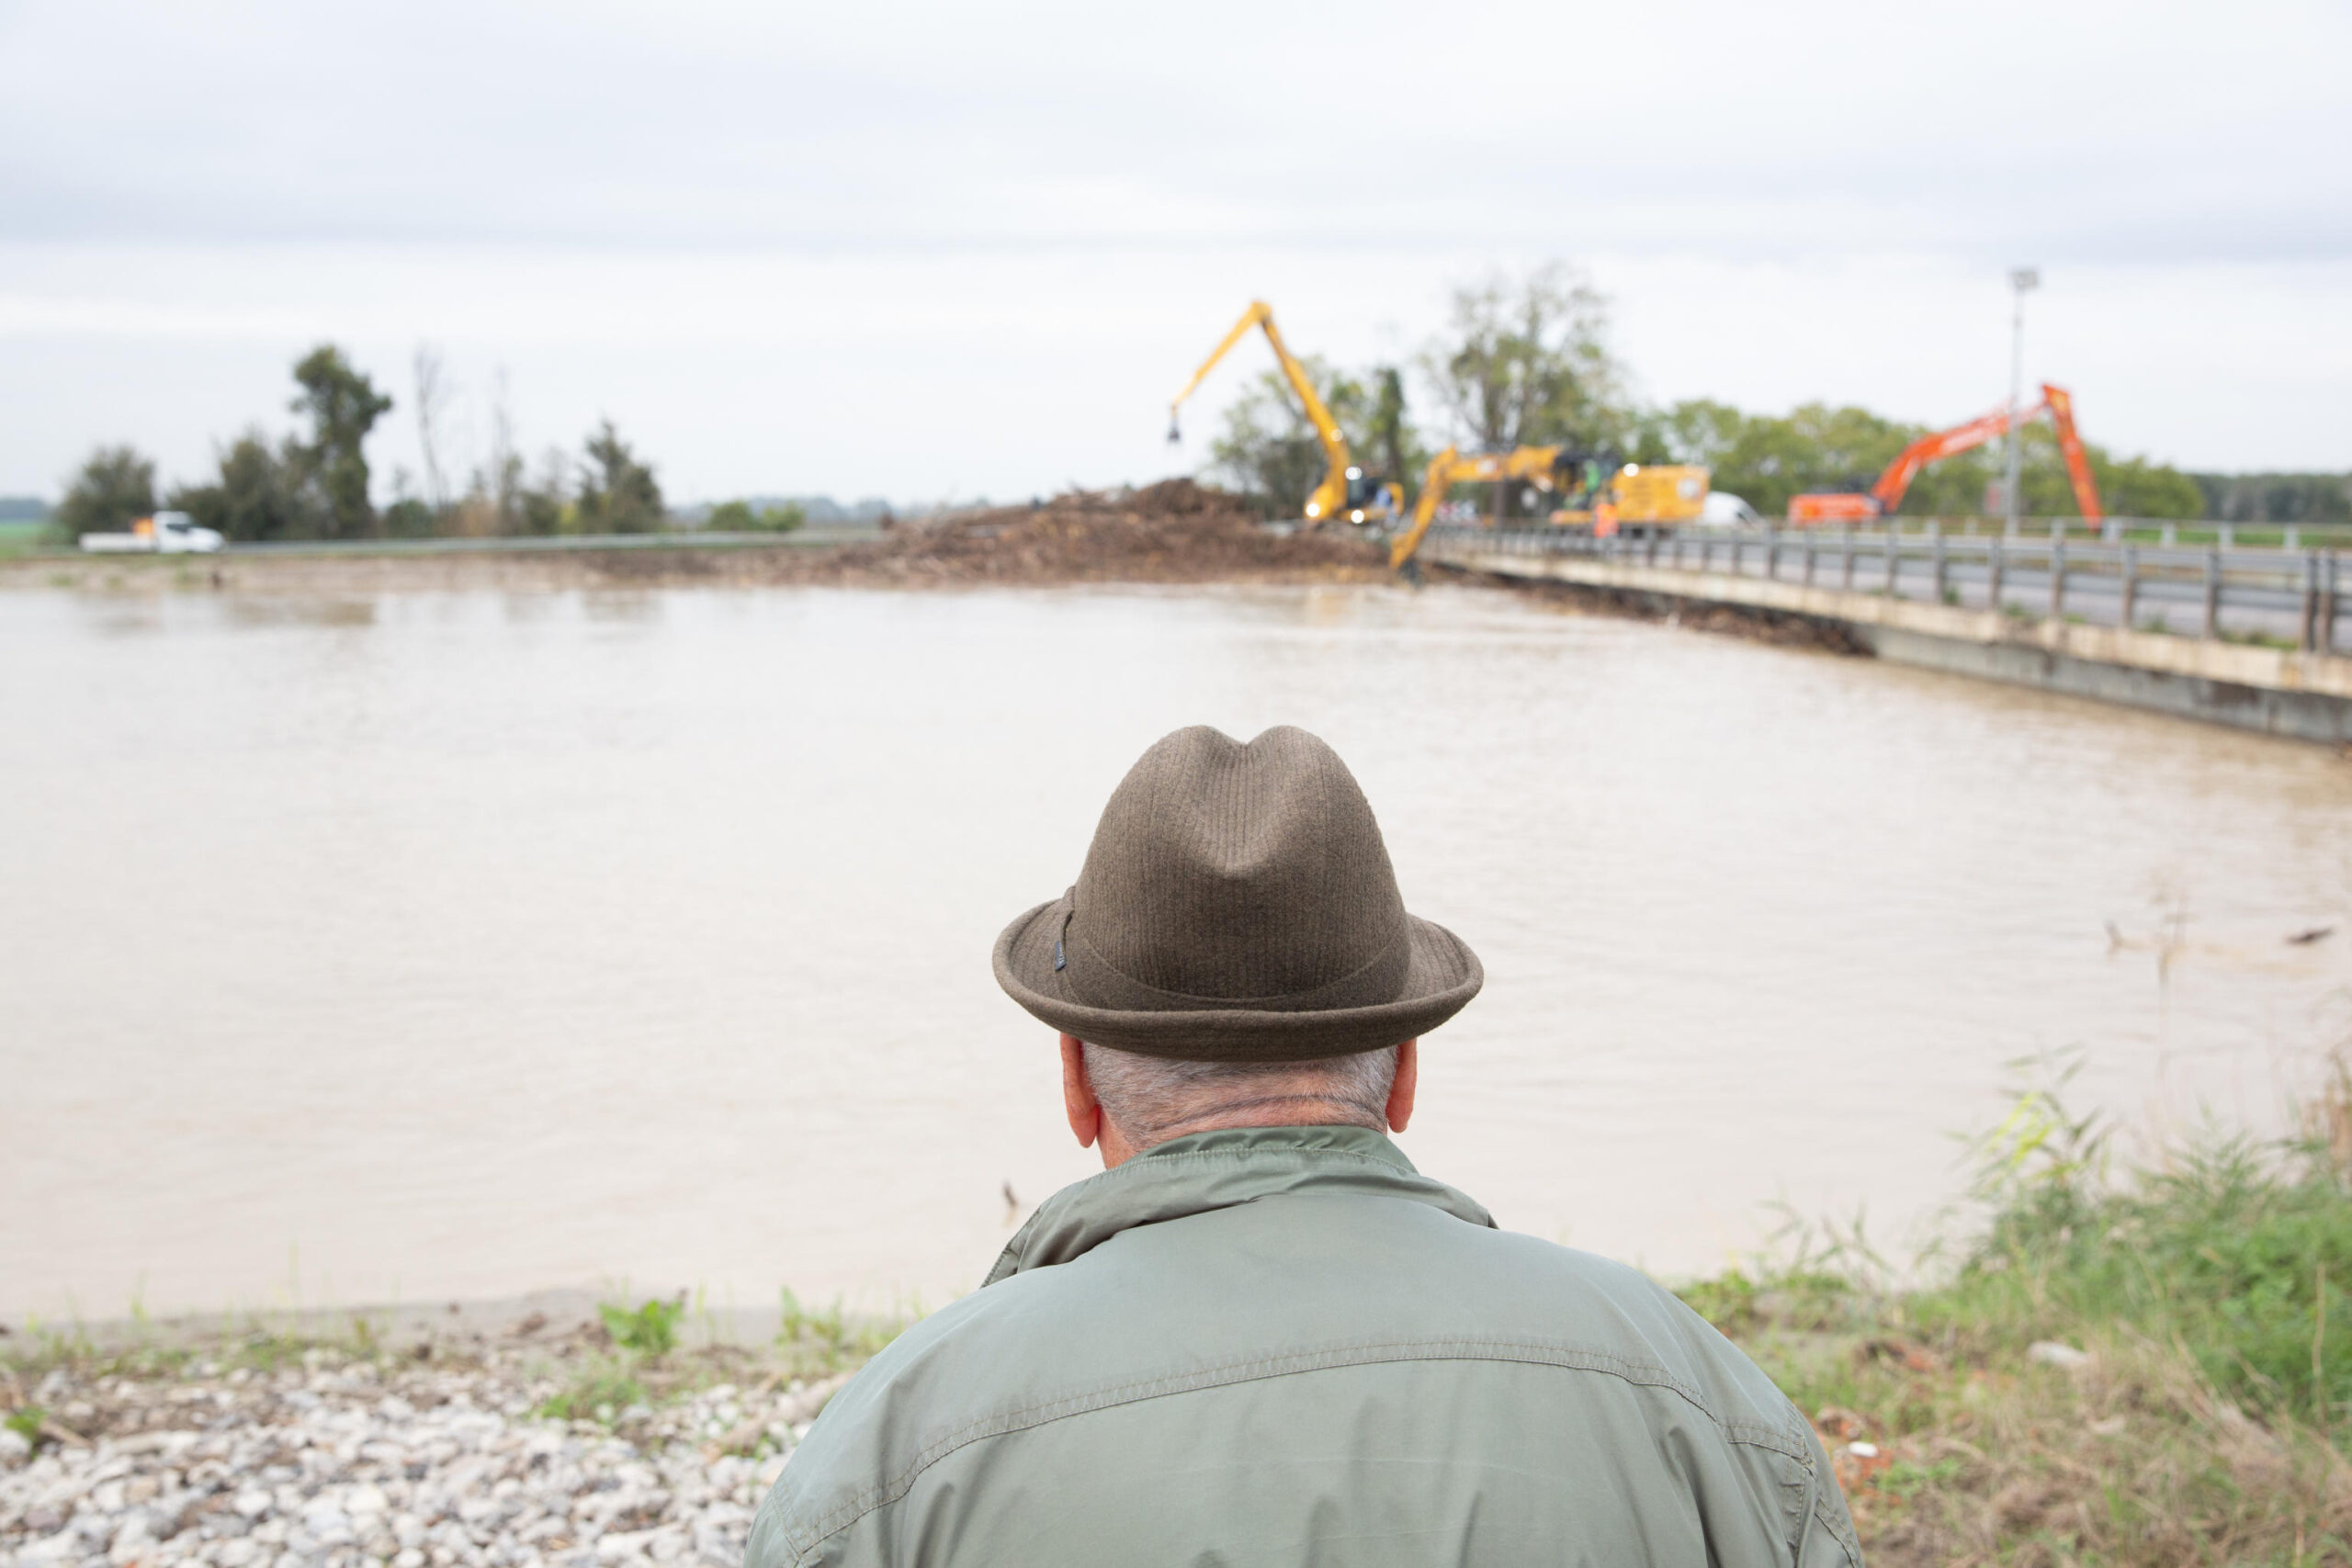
[[2293, 540], [2213, 590], [1993, 563], [1845, 555], [1811, 549], [2057, 574], [1893, 556], [2229, 537], [2327, 603], [2126, 589], [2309, 638], [1738, 546], [1772, 551], [1936, 537]]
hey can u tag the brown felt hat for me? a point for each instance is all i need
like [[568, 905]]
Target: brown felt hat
[[1236, 906]]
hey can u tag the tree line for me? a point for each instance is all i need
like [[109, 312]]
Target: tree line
[[315, 483], [1526, 361]]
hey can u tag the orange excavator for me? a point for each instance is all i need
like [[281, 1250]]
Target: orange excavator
[[1834, 506]]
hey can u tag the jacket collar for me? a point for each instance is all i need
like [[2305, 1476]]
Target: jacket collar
[[1218, 1171]]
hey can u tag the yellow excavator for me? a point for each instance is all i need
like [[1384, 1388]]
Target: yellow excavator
[[1537, 465], [1346, 492], [1604, 497]]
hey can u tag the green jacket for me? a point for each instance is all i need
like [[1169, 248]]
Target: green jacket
[[1282, 1344]]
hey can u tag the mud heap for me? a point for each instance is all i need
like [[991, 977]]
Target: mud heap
[[1175, 531]]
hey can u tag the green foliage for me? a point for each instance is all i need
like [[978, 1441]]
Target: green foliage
[[742, 517], [2206, 1283], [2229, 1251], [342, 405], [1767, 458], [1269, 451], [829, 1339], [259, 494], [2275, 498], [408, 518], [618, 493], [114, 487], [651, 1328], [27, 1423]]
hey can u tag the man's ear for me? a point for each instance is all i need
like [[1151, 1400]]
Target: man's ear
[[1400, 1091], [1078, 1095]]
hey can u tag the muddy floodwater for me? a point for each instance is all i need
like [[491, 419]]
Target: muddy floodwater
[[439, 945]]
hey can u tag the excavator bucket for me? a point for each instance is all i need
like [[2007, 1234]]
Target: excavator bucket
[[1175, 437]]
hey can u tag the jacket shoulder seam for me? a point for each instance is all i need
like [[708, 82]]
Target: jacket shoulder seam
[[806, 1537]]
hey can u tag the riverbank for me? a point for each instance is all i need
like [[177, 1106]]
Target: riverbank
[[1174, 532], [532, 1442], [2133, 1371]]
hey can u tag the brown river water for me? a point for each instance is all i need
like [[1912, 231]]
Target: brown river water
[[439, 945]]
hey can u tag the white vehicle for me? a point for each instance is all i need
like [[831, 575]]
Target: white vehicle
[[166, 533], [1724, 510]]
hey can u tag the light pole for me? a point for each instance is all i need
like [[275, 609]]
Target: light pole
[[2021, 279]]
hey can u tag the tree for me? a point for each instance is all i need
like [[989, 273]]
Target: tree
[[1525, 362], [1766, 458], [618, 493], [114, 487], [343, 405], [260, 493], [742, 517], [432, 396]]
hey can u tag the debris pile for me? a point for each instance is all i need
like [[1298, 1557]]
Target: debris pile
[[1175, 531]]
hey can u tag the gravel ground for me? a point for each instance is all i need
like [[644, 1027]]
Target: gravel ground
[[334, 1459]]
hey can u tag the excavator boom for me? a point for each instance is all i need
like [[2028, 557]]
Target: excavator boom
[[1449, 468], [2056, 402], [2060, 404], [1330, 496]]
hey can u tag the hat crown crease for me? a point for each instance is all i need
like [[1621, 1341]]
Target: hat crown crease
[[1229, 872]]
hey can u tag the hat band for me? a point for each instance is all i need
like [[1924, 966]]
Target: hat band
[[1091, 980]]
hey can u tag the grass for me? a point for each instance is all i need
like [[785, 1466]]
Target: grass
[[616, 1376], [651, 1328], [2119, 1367]]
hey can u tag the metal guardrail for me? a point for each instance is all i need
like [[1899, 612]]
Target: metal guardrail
[[2290, 597]]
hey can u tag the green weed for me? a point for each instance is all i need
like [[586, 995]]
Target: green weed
[[600, 1393], [651, 1328]]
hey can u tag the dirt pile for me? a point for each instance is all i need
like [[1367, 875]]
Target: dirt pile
[[1175, 531]]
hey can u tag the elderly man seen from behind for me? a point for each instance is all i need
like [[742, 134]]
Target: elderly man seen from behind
[[1260, 1336]]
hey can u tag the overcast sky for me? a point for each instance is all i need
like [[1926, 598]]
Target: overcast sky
[[943, 250]]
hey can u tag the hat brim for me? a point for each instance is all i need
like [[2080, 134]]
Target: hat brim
[[1441, 977]]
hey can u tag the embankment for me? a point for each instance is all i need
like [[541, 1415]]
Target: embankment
[[1175, 532]]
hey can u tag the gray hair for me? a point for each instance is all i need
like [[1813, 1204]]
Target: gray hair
[[1153, 1098]]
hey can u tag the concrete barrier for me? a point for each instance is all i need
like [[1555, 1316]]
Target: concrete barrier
[[2276, 691]]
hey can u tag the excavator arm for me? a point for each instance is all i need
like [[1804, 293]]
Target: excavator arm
[[2055, 400], [2060, 404], [1332, 493], [1536, 465], [1434, 484]]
